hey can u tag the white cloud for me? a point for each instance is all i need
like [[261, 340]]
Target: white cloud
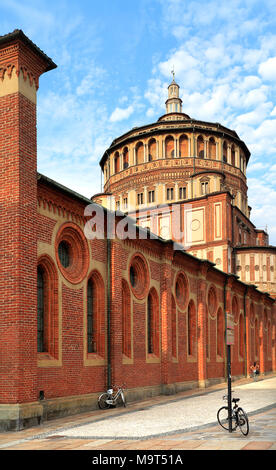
[[268, 69], [262, 199], [121, 113]]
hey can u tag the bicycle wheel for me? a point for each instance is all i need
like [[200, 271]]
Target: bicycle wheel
[[243, 421], [102, 401], [222, 417], [123, 399]]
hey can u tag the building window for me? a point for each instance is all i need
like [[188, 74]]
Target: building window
[[191, 328], [183, 146], [182, 193], [224, 152], [139, 153], [139, 276], [47, 307], [72, 253], [91, 343], [140, 199], [117, 205], [220, 333], [169, 194], [117, 163], [125, 202], [207, 337], [169, 147], [212, 149], [241, 336], [181, 290], [125, 158], [174, 329], [40, 309], [233, 155], [204, 187], [152, 150], [64, 254], [126, 319], [151, 196], [95, 315], [153, 323], [256, 339], [200, 147]]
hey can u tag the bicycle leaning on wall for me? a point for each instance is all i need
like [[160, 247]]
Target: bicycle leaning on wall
[[111, 398]]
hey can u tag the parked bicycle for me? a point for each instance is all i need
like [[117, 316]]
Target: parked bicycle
[[239, 417], [111, 398]]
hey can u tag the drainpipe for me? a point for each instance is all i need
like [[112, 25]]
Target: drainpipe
[[108, 245], [228, 362], [224, 307], [245, 337]]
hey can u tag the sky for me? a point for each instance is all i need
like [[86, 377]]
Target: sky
[[114, 61]]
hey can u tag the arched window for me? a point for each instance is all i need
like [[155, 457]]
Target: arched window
[[212, 149], [183, 146], [252, 336], [200, 147], [241, 336], [169, 147], [269, 339], [153, 323], [126, 319], [139, 153], [224, 152], [117, 162], [95, 314], [220, 333], [207, 336], [152, 150], [233, 155], [91, 340], [174, 329], [235, 308], [47, 307], [40, 310], [256, 339], [191, 329], [125, 158]]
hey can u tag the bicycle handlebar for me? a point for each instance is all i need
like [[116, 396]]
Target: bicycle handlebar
[[123, 386]]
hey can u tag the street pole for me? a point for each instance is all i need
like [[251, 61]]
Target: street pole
[[229, 387]]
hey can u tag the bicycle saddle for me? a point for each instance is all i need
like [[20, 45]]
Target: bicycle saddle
[[235, 400]]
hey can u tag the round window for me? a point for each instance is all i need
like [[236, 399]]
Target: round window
[[212, 301], [64, 254], [181, 290], [139, 276], [72, 253]]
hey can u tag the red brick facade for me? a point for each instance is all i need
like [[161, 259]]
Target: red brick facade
[[133, 311]]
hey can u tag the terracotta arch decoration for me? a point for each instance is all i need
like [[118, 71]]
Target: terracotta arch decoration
[[139, 275], [181, 290], [72, 252], [212, 301], [47, 308]]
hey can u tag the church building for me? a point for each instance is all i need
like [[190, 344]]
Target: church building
[[136, 284]]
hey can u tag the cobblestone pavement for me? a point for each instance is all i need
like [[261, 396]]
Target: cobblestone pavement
[[183, 421]]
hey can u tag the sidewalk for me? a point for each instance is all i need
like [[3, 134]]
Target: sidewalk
[[183, 421]]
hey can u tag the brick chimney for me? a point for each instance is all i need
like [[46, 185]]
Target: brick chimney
[[21, 64]]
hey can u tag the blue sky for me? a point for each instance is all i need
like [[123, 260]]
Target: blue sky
[[114, 61]]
